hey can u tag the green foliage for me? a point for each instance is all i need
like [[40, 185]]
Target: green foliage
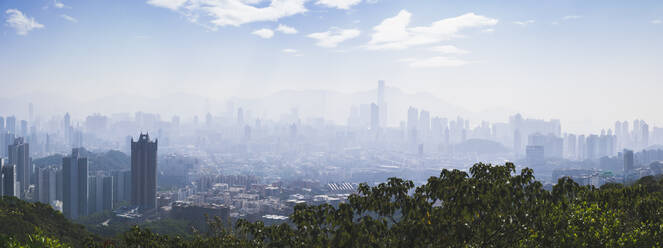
[[37, 240], [491, 206], [20, 220]]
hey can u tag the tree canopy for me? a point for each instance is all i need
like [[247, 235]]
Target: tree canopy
[[491, 206]]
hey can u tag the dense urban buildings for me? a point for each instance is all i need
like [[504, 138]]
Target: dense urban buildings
[[249, 166]]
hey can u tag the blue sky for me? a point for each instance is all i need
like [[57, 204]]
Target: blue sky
[[560, 59]]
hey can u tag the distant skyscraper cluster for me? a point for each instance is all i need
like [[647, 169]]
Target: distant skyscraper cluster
[[371, 116], [243, 139]]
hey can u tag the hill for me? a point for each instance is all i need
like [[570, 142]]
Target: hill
[[109, 161], [19, 219]]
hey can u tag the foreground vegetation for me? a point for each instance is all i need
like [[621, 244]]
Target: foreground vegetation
[[492, 206], [26, 224]]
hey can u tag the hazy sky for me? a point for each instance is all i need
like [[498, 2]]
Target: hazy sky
[[585, 62]]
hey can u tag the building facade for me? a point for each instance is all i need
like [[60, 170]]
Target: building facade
[[144, 172], [75, 185]]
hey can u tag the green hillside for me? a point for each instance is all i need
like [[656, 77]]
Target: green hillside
[[19, 219], [107, 161]]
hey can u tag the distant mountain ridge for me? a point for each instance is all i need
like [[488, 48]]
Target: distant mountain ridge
[[109, 161], [329, 104]]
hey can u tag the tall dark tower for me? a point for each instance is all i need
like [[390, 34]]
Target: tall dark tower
[[628, 164], [144, 172], [19, 155]]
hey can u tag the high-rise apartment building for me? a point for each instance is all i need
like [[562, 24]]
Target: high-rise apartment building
[[24, 128], [19, 155], [66, 127], [9, 184], [75, 185], [107, 193], [45, 185], [375, 117], [629, 163], [11, 124], [143, 172]]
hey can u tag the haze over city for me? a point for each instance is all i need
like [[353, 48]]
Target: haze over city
[[551, 59], [331, 123]]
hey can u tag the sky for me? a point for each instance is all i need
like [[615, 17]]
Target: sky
[[587, 63]]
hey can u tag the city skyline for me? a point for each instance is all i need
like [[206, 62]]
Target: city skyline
[[559, 60]]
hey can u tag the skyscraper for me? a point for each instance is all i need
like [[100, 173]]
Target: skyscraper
[[45, 185], [24, 128], [11, 124], [382, 105], [592, 147], [628, 164], [119, 186], [107, 199], [582, 147], [75, 185], [19, 155], [143, 172], [67, 128], [570, 141], [424, 124], [6, 139], [645, 135], [95, 196], [2, 184], [375, 117], [626, 140], [619, 144], [9, 180]]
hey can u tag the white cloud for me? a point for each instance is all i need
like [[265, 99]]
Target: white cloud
[[433, 62], [218, 13], [169, 4], [571, 17], [656, 21], [22, 23], [448, 49], [524, 23], [488, 30], [286, 29], [289, 50], [339, 4], [59, 5], [334, 36], [395, 33], [69, 18], [264, 33]]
